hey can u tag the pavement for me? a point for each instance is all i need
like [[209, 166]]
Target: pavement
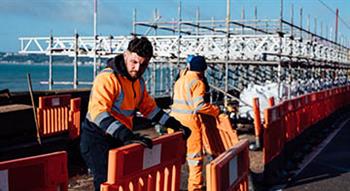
[[330, 168]]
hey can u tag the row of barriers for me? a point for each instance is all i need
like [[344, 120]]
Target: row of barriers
[[131, 167], [59, 114], [56, 115], [47, 172], [287, 120], [134, 167]]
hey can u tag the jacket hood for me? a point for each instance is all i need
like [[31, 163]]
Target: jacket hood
[[198, 75], [118, 65], [192, 74]]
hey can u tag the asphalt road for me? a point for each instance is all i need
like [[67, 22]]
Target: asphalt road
[[330, 169]]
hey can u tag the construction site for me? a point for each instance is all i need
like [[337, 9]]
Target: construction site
[[283, 85]]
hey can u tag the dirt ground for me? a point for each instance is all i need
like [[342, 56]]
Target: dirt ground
[[81, 182]]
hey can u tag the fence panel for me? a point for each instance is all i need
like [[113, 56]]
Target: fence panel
[[134, 167], [229, 171], [59, 114], [218, 134], [46, 172]]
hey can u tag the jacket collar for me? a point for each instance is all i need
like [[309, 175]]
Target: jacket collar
[[191, 74]]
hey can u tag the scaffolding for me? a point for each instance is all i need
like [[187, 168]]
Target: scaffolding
[[239, 52]]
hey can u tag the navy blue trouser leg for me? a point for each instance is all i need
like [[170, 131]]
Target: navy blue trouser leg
[[95, 156], [94, 149]]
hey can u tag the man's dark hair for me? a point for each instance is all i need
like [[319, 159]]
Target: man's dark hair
[[141, 46]]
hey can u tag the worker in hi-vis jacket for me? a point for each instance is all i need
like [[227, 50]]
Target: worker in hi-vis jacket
[[188, 102], [117, 93]]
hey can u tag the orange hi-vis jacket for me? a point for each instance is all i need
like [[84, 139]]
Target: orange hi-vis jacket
[[188, 103], [115, 99], [188, 100]]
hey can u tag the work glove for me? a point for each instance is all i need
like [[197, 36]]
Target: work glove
[[145, 141], [174, 124], [126, 136]]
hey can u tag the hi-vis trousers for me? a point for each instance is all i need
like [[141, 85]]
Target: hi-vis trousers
[[194, 152]]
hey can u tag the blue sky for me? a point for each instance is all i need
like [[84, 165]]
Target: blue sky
[[20, 18]]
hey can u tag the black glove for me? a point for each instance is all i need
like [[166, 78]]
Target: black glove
[[126, 136], [145, 141], [177, 126], [185, 131]]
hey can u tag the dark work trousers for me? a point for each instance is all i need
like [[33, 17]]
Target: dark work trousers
[[94, 147]]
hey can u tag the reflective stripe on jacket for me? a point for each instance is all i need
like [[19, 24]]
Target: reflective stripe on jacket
[[189, 92], [114, 98]]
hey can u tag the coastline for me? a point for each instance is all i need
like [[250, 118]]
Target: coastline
[[44, 63]]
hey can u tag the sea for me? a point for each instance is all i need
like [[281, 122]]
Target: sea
[[14, 76]]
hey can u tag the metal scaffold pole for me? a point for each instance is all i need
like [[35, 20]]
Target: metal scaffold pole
[[336, 26], [178, 49], [134, 22], [154, 66], [75, 80], [50, 63], [280, 52], [290, 78], [95, 38], [228, 18]]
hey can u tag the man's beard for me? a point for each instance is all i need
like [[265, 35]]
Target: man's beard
[[134, 75]]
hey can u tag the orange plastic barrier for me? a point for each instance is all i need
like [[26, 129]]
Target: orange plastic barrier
[[305, 118], [291, 117], [218, 134], [299, 112], [134, 167], [257, 120], [229, 171], [290, 120], [46, 172], [271, 101], [74, 118], [58, 114], [273, 132]]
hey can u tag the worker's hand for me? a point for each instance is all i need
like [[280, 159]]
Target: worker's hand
[[145, 141], [185, 131], [126, 136], [174, 124]]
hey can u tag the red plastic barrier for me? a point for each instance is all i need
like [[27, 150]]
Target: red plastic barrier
[[134, 167], [313, 108], [229, 171], [291, 117], [218, 134], [290, 122], [58, 114], [304, 113], [46, 172], [273, 132], [320, 105], [271, 101], [299, 112]]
